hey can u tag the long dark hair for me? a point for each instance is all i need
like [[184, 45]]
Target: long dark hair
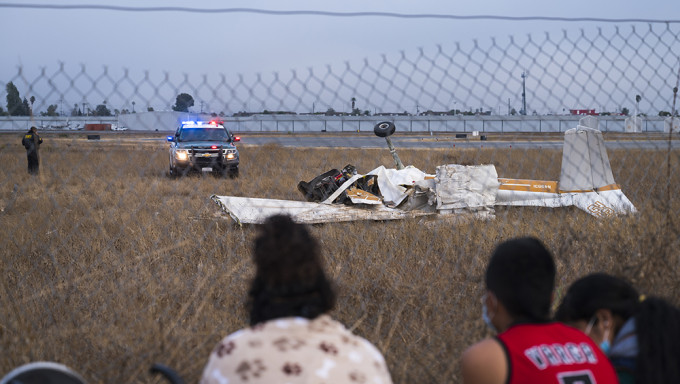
[[289, 278], [657, 323]]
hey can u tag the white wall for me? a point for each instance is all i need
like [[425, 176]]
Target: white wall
[[169, 121]]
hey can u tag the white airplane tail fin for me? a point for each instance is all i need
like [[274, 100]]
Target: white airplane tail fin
[[585, 164]]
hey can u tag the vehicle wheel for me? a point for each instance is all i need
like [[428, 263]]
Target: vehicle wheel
[[221, 172], [233, 173], [172, 172], [384, 129]]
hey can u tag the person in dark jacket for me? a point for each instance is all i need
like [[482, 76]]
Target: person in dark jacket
[[639, 334], [31, 142]]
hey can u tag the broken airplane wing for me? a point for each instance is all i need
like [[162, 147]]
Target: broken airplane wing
[[248, 210]]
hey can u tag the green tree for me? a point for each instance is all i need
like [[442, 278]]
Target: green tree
[[149, 109], [183, 102], [102, 110], [15, 107], [664, 113], [26, 108], [32, 99], [51, 111], [625, 111]]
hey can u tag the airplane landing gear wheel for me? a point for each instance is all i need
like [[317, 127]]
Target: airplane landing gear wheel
[[384, 129]]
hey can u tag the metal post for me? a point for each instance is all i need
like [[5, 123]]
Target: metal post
[[393, 151], [524, 94]]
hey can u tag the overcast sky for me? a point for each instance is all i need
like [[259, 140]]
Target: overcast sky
[[247, 43]]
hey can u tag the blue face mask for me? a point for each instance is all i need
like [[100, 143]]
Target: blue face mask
[[485, 316], [605, 346]]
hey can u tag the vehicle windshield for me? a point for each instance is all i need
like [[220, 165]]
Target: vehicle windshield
[[204, 134]]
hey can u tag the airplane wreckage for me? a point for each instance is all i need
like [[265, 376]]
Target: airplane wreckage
[[586, 181]]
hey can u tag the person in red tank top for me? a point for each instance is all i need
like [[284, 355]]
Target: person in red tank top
[[529, 348]]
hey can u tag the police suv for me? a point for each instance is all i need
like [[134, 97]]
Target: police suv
[[203, 147]]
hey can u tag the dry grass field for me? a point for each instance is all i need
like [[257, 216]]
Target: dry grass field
[[109, 266]]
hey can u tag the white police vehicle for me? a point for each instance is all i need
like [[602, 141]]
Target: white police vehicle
[[203, 147]]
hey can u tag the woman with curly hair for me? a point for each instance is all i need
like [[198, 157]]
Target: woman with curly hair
[[640, 335], [291, 338]]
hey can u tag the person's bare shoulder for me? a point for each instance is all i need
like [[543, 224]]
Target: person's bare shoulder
[[484, 363]]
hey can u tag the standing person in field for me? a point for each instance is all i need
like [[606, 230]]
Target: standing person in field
[[641, 335], [31, 142], [291, 339], [529, 348]]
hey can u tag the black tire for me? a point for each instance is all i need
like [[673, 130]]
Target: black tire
[[384, 129], [168, 373], [172, 172], [43, 372], [233, 172], [223, 172]]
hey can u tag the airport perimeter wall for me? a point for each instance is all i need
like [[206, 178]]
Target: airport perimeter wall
[[168, 121]]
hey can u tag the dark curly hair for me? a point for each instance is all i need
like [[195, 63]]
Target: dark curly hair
[[521, 273], [289, 278]]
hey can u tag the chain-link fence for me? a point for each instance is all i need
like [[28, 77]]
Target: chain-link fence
[[110, 265]]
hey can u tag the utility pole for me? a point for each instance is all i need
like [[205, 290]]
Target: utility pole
[[524, 93]]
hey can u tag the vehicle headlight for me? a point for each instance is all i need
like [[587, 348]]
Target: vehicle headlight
[[230, 156], [181, 155]]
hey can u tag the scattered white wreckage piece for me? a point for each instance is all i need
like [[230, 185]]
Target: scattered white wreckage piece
[[586, 181], [247, 210], [466, 188]]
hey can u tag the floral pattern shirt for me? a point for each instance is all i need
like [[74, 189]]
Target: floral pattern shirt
[[296, 350]]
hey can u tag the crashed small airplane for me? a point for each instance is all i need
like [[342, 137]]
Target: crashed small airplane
[[586, 181]]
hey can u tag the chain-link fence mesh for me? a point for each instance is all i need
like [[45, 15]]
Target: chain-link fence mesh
[[110, 265]]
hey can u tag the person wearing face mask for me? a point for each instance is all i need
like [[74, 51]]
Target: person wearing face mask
[[529, 347], [640, 335]]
